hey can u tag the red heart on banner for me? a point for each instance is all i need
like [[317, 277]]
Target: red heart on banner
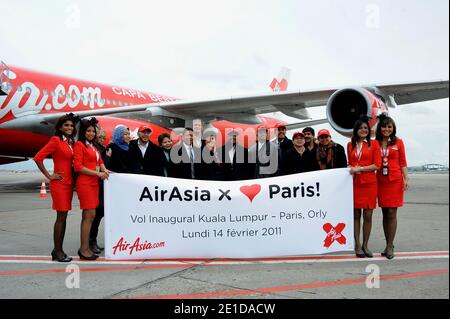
[[251, 191]]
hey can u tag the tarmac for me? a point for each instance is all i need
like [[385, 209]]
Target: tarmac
[[419, 270]]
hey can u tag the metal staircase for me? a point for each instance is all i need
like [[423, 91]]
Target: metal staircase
[[5, 86]]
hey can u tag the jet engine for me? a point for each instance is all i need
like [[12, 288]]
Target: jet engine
[[346, 106]]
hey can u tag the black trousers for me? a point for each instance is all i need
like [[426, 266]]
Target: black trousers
[[99, 213]]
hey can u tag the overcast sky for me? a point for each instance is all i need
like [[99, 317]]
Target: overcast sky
[[201, 48]]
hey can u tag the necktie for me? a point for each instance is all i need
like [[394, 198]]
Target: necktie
[[191, 155]]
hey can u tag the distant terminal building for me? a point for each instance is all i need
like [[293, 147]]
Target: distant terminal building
[[434, 167]]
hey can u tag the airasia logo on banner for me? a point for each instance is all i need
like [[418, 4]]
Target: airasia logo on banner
[[122, 245], [334, 234]]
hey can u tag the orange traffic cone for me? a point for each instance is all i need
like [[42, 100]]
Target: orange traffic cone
[[43, 192]]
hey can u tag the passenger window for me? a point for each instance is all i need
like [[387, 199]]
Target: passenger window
[[28, 90], [19, 89]]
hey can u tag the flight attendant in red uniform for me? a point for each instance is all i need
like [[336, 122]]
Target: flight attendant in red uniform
[[60, 147], [364, 159], [89, 165], [392, 178]]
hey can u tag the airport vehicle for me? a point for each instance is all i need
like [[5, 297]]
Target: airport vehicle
[[31, 102]]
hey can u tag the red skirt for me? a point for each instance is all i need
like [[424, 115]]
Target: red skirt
[[61, 196], [390, 194], [88, 196], [364, 195]]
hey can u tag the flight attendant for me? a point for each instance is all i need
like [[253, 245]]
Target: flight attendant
[[60, 147], [89, 165], [392, 178], [364, 159]]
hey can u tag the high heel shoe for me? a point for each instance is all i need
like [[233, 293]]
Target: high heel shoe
[[359, 253], [385, 250], [92, 257], [367, 252], [390, 252], [64, 259]]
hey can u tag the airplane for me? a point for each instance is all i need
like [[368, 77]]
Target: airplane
[[32, 101]]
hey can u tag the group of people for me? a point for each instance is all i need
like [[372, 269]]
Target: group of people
[[378, 168]]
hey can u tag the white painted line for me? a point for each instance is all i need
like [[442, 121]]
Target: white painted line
[[22, 259]]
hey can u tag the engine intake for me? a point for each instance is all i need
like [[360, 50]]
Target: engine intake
[[346, 106]]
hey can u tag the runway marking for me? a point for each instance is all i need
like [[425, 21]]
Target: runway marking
[[228, 293], [241, 261], [168, 264]]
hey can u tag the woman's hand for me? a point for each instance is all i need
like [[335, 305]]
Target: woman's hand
[[355, 170], [406, 184], [103, 175], [55, 177]]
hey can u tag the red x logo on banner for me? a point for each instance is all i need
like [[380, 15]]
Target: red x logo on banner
[[334, 234]]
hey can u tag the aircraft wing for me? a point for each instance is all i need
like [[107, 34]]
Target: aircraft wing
[[415, 92], [303, 124], [293, 103]]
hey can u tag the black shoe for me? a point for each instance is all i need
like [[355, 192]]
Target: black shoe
[[92, 257], [359, 253], [390, 252], [94, 247], [64, 259], [384, 252], [367, 252]]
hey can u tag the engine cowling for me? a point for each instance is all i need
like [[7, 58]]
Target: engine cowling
[[346, 106]]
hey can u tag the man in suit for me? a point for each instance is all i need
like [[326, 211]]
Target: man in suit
[[145, 154], [211, 160], [264, 155], [282, 143], [187, 158], [234, 159]]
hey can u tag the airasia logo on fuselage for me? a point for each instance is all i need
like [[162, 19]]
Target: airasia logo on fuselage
[[59, 100], [63, 98]]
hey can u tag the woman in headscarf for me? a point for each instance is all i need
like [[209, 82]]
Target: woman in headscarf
[[121, 159]]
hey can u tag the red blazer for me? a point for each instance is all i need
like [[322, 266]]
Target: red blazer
[[85, 156], [396, 160], [62, 158], [368, 157]]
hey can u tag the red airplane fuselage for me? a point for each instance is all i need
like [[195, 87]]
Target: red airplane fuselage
[[35, 94]]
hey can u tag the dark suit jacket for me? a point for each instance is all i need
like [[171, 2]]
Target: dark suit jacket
[[121, 161], [239, 168], [212, 165], [183, 168], [294, 163], [267, 160], [150, 163], [167, 164]]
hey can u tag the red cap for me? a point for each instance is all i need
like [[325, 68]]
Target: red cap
[[324, 132], [297, 134], [144, 128]]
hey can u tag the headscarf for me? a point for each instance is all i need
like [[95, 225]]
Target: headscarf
[[118, 137], [325, 155]]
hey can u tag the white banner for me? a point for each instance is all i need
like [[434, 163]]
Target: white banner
[[148, 217]]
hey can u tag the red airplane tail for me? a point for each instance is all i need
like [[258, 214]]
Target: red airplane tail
[[281, 82]]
